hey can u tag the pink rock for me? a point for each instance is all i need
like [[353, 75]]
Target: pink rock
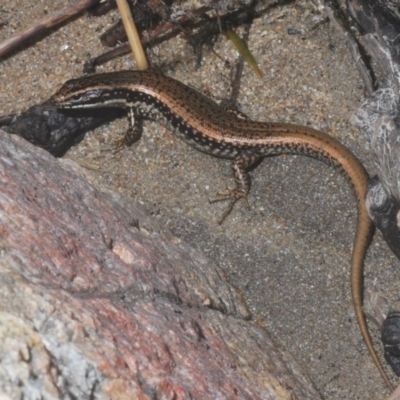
[[97, 301]]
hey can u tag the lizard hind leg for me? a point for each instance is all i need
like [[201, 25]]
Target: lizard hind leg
[[240, 165]]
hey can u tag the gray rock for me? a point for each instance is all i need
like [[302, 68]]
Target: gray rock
[[378, 116]]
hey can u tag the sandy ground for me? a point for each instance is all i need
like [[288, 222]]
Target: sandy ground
[[290, 252]]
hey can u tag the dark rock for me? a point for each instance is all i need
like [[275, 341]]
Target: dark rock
[[47, 127]]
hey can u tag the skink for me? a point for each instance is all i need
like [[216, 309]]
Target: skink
[[209, 128]]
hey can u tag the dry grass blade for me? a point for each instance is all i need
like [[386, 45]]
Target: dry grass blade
[[133, 36]]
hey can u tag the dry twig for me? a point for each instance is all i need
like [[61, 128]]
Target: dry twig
[[10, 44]]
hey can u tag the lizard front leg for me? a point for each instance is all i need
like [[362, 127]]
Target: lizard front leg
[[240, 165]]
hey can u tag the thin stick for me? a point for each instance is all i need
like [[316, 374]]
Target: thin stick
[[165, 29], [133, 36], [8, 45]]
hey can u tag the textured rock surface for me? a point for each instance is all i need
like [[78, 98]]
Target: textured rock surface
[[97, 301], [378, 116]]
